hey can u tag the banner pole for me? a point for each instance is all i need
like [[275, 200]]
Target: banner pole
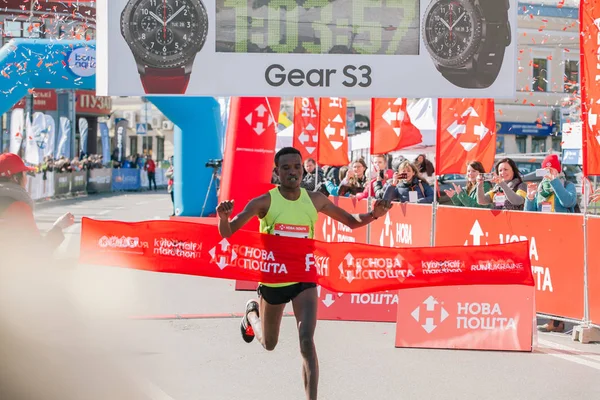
[[369, 199], [434, 211], [586, 304]]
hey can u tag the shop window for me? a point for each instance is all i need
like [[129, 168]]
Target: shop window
[[538, 145], [571, 76], [160, 148], [540, 75], [556, 143], [133, 145], [521, 144], [147, 146], [499, 144]]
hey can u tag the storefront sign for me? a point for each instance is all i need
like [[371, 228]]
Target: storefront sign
[[523, 128], [43, 100]]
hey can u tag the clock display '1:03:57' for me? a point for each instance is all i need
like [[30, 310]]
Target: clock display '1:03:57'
[[165, 27]]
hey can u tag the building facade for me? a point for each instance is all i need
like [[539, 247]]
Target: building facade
[[60, 20]]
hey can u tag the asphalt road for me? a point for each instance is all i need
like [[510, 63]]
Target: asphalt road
[[206, 358]]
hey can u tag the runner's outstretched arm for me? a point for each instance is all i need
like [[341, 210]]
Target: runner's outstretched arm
[[352, 221], [224, 209]]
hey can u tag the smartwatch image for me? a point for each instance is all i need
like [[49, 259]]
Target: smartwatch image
[[466, 39], [164, 37]]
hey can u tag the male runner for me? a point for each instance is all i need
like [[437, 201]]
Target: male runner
[[283, 207]]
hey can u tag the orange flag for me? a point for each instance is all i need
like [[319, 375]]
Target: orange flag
[[306, 124], [392, 128], [333, 139], [465, 132], [589, 42]]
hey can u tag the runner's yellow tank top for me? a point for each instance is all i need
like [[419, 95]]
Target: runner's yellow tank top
[[289, 218]]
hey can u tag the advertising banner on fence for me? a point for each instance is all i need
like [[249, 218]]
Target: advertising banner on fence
[[478, 317], [198, 249], [360, 48], [62, 183], [99, 180], [558, 273], [126, 179], [78, 181], [593, 262]]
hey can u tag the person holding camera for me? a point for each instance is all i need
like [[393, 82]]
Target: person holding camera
[[554, 193], [509, 191], [406, 186], [467, 197]]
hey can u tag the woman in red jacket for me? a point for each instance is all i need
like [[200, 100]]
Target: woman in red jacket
[[16, 207]]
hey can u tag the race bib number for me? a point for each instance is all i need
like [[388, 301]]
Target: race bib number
[[297, 231], [546, 207], [499, 199]]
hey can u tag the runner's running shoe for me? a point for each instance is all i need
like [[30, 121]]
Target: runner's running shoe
[[245, 327]]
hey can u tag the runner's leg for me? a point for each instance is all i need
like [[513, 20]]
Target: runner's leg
[[266, 328], [305, 311]]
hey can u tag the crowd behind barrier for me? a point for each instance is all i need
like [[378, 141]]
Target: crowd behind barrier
[[48, 185], [557, 244]]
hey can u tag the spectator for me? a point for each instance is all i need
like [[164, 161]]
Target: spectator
[[509, 191], [424, 166], [313, 176], [16, 208], [332, 187], [355, 180], [381, 173], [150, 168], [407, 186], [170, 174], [554, 193], [467, 197]]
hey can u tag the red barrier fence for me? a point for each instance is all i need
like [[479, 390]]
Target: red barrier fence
[[556, 252], [593, 262], [556, 249]]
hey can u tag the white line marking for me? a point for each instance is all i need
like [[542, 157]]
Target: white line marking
[[103, 212], [139, 203], [569, 354]]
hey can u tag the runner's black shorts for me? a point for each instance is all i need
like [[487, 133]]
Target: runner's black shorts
[[283, 294]]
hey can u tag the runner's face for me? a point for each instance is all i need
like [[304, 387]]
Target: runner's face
[[290, 171]]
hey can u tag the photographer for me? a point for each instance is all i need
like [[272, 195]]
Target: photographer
[[407, 186], [509, 191], [554, 193], [467, 196]]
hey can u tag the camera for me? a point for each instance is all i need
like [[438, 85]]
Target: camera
[[214, 163]]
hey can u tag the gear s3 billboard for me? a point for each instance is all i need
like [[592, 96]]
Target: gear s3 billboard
[[320, 48]]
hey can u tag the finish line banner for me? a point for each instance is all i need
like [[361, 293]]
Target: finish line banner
[[198, 249]]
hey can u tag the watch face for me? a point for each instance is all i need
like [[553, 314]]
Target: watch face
[[164, 33], [452, 31]]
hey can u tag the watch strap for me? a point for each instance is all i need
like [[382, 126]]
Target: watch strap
[[165, 81], [486, 64]]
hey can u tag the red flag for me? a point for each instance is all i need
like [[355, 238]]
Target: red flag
[[589, 42], [465, 132], [306, 123], [392, 128], [333, 140]]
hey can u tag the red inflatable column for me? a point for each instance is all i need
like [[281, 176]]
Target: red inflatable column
[[249, 153]]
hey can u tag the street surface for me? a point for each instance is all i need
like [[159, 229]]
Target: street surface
[[205, 357]]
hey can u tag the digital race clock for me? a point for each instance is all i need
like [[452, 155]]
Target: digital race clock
[[318, 26]]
